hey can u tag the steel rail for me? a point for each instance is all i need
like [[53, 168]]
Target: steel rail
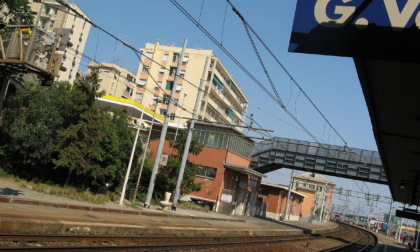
[[110, 242], [360, 232]]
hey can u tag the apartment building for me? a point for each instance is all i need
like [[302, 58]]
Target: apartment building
[[115, 80], [56, 21], [318, 188], [221, 101]]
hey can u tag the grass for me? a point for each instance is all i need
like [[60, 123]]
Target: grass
[[4, 174], [66, 192], [185, 204]]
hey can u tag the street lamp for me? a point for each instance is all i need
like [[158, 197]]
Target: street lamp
[[127, 175], [145, 151], [179, 118]]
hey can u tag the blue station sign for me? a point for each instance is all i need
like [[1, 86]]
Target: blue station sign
[[373, 29]]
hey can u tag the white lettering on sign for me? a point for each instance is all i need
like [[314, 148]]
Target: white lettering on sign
[[322, 18], [400, 19], [397, 18]]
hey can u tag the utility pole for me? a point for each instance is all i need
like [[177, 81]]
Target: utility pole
[[286, 210], [164, 130], [145, 152], [390, 222], [323, 203], [180, 114], [189, 136], [127, 175]]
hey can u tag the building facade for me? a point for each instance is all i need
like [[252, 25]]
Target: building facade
[[115, 80], [317, 187], [224, 172], [58, 23], [273, 198], [221, 101]]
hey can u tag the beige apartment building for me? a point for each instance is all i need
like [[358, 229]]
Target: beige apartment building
[[315, 186], [222, 100], [58, 22], [115, 80]]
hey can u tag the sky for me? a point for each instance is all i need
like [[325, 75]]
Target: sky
[[331, 82]]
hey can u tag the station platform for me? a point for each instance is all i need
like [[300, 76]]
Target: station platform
[[389, 244], [28, 211]]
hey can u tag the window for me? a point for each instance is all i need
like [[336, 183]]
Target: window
[[175, 57], [163, 112], [182, 73], [141, 83], [207, 172], [166, 99], [312, 186], [185, 60], [128, 91], [169, 85], [149, 55], [264, 191], [172, 71], [319, 188], [145, 69], [162, 71], [158, 84], [165, 57], [138, 97]]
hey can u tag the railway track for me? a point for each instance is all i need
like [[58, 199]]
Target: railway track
[[25, 242]]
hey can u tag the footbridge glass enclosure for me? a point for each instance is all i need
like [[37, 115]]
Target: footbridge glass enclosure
[[352, 163]]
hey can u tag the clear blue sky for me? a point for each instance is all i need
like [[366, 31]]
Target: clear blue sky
[[331, 82]]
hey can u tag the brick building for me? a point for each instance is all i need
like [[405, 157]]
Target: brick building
[[272, 202], [225, 171]]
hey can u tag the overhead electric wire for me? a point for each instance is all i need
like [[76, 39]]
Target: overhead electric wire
[[192, 19], [247, 25]]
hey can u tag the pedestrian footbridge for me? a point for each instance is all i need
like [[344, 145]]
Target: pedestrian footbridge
[[339, 161]]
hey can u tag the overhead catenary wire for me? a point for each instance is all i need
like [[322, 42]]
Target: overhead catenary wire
[[211, 37], [284, 68]]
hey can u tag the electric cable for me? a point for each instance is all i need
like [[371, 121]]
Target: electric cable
[[284, 68]]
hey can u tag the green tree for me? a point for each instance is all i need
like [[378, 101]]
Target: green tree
[[171, 170], [19, 11], [58, 134], [30, 121], [94, 149]]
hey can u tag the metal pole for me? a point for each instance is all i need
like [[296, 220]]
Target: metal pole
[[323, 203], [417, 235], [164, 130], [180, 114], [389, 217], [286, 210], [145, 152], [189, 136], [127, 175], [3, 91], [399, 233]]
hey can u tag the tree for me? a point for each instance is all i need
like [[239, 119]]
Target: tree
[[19, 11], [58, 134], [172, 168], [30, 120], [95, 147]]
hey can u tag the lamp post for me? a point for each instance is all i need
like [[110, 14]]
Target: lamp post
[[127, 175], [163, 132], [286, 210], [145, 151], [179, 118]]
